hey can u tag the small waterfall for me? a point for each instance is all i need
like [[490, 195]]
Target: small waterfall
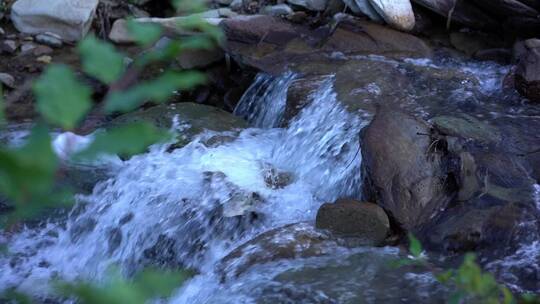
[[192, 206], [264, 102]]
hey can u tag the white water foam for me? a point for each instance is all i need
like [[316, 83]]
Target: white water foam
[[168, 208]]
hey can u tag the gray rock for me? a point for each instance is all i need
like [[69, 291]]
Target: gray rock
[[28, 46], [277, 10], [9, 46], [350, 218], [70, 19], [7, 80], [397, 13], [2, 32], [49, 39], [312, 5], [403, 171]]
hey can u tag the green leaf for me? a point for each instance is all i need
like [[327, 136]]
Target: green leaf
[[445, 277], [415, 247], [27, 176], [456, 298], [145, 286], [12, 296], [157, 90], [144, 33], [101, 60], [61, 99], [30, 169], [189, 6], [126, 140], [2, 107]]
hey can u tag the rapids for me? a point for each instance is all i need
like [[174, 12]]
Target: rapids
[[194, 205]]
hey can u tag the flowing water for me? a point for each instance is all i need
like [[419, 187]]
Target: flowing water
[[191, 207]]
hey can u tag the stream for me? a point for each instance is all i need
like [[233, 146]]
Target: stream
[[193, 206]]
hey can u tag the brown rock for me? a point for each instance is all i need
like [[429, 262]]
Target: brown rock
[[352, 218], [403, 168]]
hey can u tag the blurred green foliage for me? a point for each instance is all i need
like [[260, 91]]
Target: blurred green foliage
[[27, 172], [469, 282]]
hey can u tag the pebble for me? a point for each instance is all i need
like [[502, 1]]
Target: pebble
[[49, 39], [2, 32], [44, 59], [27, 47], [9, 46], [7, 80], [41, 50]]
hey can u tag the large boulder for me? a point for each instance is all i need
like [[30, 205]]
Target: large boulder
[[272, 45], [398, 14], [70, 19], [527, 75], [349, 218], [404, 168]]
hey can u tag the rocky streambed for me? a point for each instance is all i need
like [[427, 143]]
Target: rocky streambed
[[351, 135]]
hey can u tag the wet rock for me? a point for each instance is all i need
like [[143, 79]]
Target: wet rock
[[277, 10], [162, 254], [398, 14], [527, 74], [192, 118], [404, 168], [499, 55], [70, 19], [360, 277], [478, 227], [7, 80], [471, 43], [463, 12], [49, 39], [350, 218], [312, 5], [276, 179], [288, 242], [272, 44], [467, 126], [9, 46]]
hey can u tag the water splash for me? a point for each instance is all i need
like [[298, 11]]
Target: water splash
[[264, 102], [190, 207]]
